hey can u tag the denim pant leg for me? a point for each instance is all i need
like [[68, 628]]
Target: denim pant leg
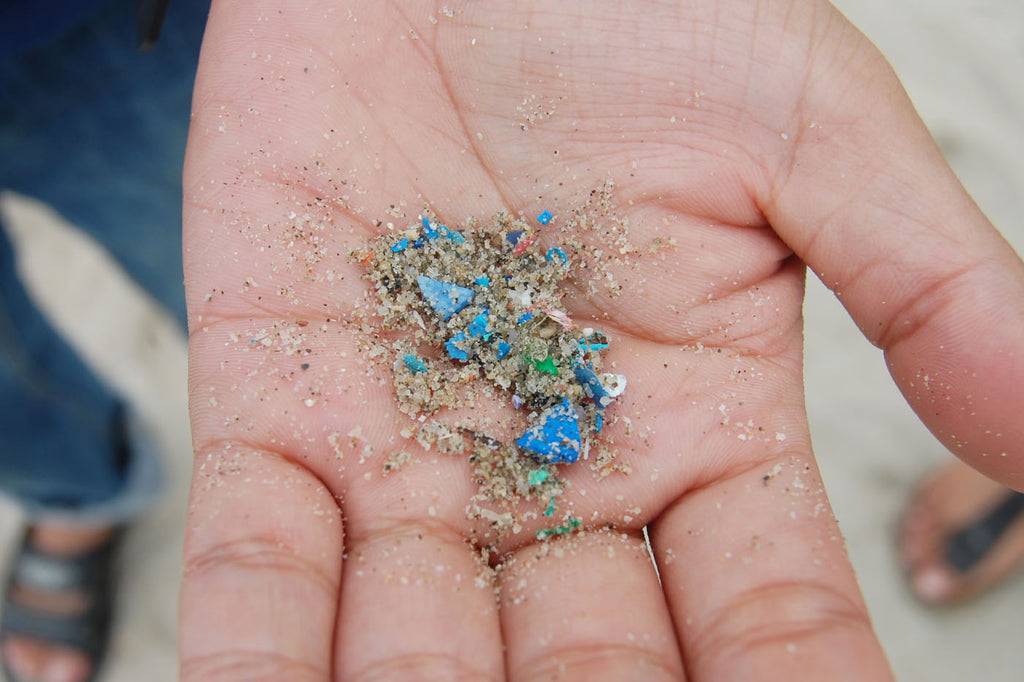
[[62, 445], [95, 129]]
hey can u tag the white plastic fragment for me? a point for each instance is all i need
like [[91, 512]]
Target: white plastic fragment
[[614, 384]]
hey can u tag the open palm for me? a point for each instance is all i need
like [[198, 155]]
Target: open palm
[[747, 139]]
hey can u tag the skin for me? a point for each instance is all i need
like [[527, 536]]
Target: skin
[[764, 138]]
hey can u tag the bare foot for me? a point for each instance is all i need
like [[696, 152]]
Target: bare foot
[[956, 498], [34, 659]]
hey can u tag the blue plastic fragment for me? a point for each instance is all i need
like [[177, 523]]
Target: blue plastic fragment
[[592, 386], [454, 235], [478, 327], [445, 298], [517, 402], [545, 218], [432, 230], [418, 243], [400, 246], [586, 344], [525, 317], [555, 438], [414, 364], [428, 229], [514, 236], [503, 349], [456, 347], [555, 252], [598, 422], [483, 281]]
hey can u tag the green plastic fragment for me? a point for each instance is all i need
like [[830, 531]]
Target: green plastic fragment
[[570, 526], [537, 476], [547, 365], [551, 507]]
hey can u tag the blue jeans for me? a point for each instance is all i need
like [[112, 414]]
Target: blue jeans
[[96, 129]]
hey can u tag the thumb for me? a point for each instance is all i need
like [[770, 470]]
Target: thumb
[[869, 203]]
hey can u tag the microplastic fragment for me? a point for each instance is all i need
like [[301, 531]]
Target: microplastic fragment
[[555, 252], [561, 318], [400, 246], [537, 476], [614, 384], [414, 364], [547, 365], [570, 526], [555, 438], [478, 327], [551, 507], [446, 299], [453, 235], [592, 385], [522, 245], [456, 347], [545, 218], [428, 229]]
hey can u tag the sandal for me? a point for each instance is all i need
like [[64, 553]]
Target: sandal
[[86, 576], [962, 535], [968, 546]]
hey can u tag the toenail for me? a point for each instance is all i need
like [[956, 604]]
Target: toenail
[[933, 584], [17, 658], [65, 669]]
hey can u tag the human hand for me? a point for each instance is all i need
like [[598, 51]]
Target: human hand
[[759, 137]]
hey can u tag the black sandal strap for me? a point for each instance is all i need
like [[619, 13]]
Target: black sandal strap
[[969, 545], [85, 632], [48, 573], [87, 574]]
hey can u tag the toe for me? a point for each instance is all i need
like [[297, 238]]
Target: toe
[[28, 659], [954, 499], [933, 585], [66, 666], [20, 659]]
